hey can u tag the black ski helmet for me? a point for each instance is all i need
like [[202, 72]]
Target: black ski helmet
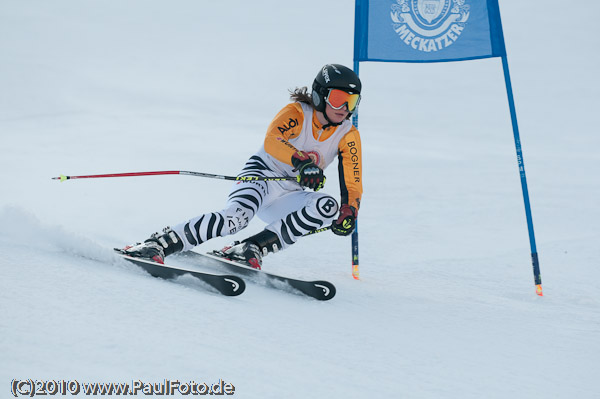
[[333, 76]]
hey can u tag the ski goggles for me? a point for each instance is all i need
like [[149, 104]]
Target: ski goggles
[[338, 98]]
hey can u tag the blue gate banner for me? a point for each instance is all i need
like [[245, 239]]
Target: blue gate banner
[[427, 30]]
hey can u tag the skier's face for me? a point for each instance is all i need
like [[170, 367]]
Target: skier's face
[[336, 115]]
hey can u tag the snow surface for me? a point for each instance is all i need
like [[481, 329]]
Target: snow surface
[[446, 305]]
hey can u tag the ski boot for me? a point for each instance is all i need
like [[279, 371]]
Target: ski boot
[[155, 248], [251, 250]]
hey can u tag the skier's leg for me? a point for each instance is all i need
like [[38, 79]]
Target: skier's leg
[[304, 212], [243, 202]]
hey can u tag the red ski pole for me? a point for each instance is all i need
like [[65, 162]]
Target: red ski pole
[[178, 172]]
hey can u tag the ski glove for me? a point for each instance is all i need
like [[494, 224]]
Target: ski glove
[[344, 225], [309, 174]]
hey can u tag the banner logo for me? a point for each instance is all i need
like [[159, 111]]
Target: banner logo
[[429, 25]]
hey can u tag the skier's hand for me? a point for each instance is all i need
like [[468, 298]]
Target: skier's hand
[[346, 221], [309, 174]]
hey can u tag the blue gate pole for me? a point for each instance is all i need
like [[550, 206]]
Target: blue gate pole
[[513, 116], [355, 271]]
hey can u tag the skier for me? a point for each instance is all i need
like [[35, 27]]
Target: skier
[[301, 141]]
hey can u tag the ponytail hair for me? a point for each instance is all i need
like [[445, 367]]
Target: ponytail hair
[[301, 94]]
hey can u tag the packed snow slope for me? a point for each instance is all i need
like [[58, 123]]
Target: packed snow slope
[[445, 307]]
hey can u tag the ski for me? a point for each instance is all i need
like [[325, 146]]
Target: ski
[[225, 284], [319, 289]]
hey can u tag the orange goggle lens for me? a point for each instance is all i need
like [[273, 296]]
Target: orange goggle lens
[[338, 98]]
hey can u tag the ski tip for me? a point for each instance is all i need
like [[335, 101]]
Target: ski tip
[[538, 290], [238, 286], [327, 292]]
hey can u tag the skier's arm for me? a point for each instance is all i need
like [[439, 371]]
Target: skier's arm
[[350, 168], [286, 125]]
